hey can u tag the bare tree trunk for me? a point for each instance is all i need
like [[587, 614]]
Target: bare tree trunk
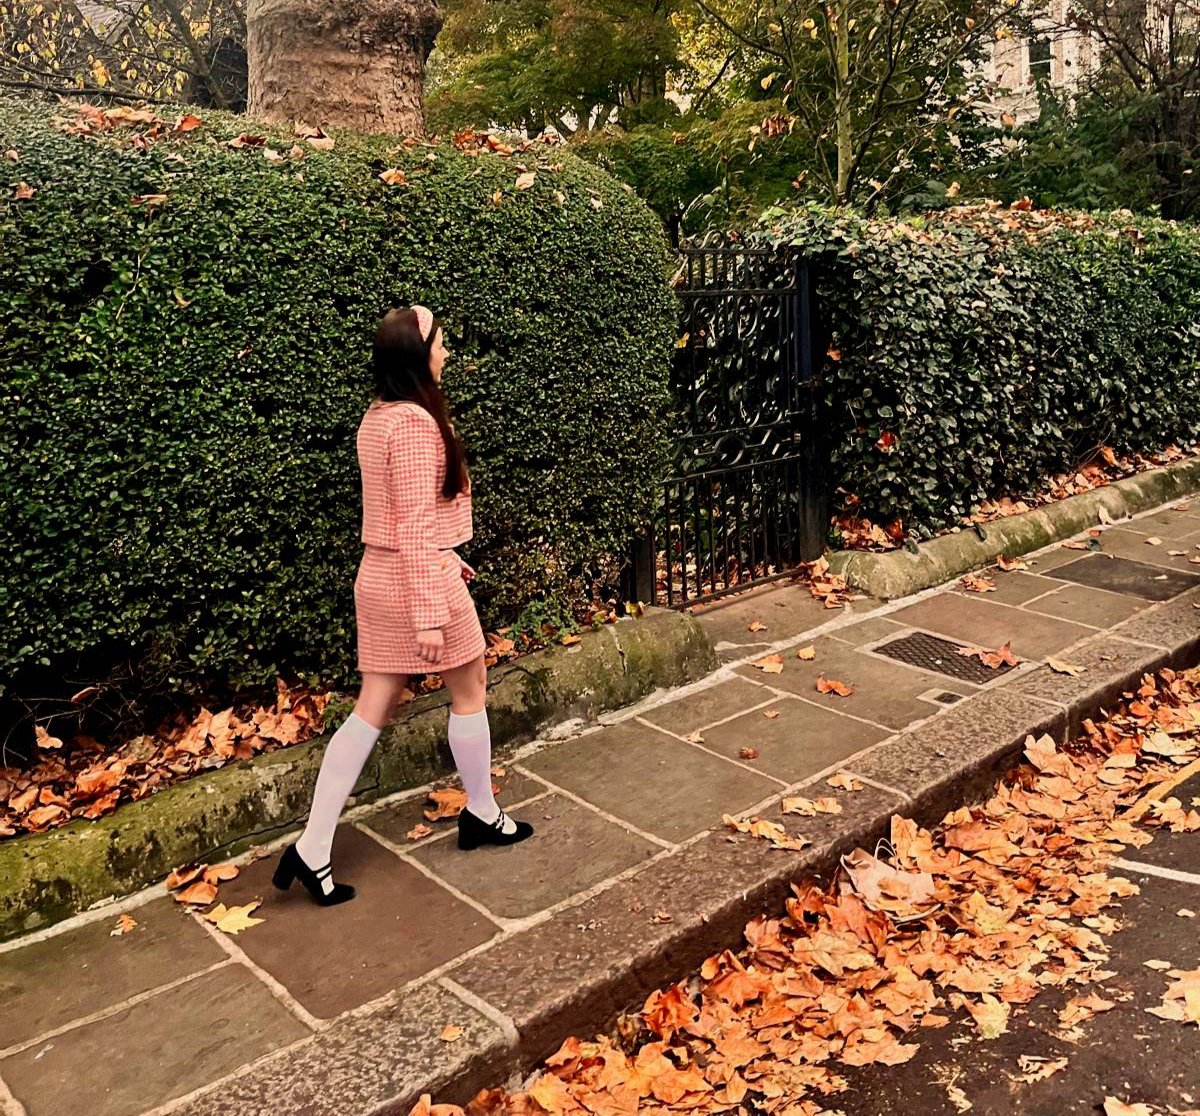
[[845, 122], [350, 63]]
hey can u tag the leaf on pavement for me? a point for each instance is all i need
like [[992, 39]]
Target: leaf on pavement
[[447, 803], [200, 894], [771, 714], [233, 920], [756, 626], [977, 583], [833, 686], [1114, 1107], [771, 664], [220, 873], [807, 654], [451, 1033], [748, 754], [181, 877], [124, 924], [1002, 656], [418, 832], [1059, 667], [767, 831], [843, 780], [1009, 565]]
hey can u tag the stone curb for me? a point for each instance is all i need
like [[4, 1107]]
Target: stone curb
[[48, 877], [577, 971], [901, 573]]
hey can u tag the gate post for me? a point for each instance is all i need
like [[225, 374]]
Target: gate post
[[643, 580], [813, 343]]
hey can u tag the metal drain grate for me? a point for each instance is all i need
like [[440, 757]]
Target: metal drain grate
[[930, 652]]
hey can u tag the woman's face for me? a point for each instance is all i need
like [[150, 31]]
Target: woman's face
[[437, 357]]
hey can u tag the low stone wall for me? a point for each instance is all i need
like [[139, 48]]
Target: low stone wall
[[900, 573], [47, 877]]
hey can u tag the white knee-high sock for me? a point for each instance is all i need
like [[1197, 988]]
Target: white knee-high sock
[[471, 746], [345, 755]]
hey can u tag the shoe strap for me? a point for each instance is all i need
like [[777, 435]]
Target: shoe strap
[[324, 873], [498, 824]]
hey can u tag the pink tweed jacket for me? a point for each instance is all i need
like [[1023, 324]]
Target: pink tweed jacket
[[403, 463]]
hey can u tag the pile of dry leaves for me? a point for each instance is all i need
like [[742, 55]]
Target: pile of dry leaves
[[856, 532], [936, 929], [83, 778]]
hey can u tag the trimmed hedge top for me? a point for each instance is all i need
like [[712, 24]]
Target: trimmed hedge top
[[983, 349], [185, 328]]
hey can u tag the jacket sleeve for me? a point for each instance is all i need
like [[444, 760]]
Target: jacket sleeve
[[414, 459]]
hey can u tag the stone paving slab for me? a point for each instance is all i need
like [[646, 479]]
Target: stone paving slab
[[651, 780], [1124, 575], [575, 849], [156, 1050], [801, 740], [79, 972], [396, 820], [630, 882], [717, 703], [886, 692], [1107, 663], [400, 926], [981, 623], [1142, 548], [377, 1062], [1082, 604], [1015, 588]]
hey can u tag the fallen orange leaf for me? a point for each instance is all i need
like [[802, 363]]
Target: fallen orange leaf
[[771, 664], [833, 686], [200, 894]]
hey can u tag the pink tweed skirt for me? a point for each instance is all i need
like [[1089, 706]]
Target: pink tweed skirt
[[387, 639]]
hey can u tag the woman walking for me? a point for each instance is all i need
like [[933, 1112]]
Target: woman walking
[[415, 614]]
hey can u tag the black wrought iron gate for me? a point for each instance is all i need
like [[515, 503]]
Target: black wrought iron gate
[[745, 501]]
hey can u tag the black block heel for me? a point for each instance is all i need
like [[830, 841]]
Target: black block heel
[[291, 868], [473, 832]]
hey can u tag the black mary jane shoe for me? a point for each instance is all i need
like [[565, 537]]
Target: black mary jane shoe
[[473, 832], [291, 867]]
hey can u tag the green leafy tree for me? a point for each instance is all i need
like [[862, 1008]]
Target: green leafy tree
[[1150, 72], [158, 50], [577, 66], [871, 86]]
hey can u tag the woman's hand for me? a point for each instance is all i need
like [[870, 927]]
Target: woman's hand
[[468, 574], [430, 645]]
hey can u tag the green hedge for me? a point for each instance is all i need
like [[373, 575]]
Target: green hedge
[[984, 349], [182, 383]]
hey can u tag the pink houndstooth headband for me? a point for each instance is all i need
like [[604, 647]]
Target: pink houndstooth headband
[[425, 322]]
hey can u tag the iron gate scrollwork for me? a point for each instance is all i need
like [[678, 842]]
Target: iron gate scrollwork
[[745, 499]]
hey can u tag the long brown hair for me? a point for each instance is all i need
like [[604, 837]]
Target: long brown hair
[[400, 358]]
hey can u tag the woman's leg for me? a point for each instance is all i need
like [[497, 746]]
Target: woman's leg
[[471, 740], [345, 755]]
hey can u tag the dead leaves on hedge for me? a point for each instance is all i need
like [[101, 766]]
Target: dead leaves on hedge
[[89, 779], [967, 923]]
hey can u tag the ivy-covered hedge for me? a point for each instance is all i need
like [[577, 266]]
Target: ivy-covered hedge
[[185, 330], [981, 350]]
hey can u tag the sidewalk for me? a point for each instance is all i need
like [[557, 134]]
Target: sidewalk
[[631, 877]]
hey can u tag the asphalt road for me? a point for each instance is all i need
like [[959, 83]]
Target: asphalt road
[[1124, 1053]]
